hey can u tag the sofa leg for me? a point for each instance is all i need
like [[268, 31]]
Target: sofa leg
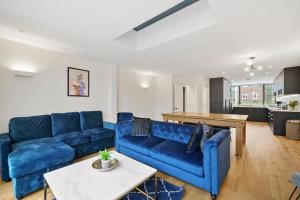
[[213, 196]]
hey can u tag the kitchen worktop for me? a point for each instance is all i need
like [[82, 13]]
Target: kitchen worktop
[[272, 108]]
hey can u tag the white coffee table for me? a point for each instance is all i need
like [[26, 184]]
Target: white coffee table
[[80, 181]]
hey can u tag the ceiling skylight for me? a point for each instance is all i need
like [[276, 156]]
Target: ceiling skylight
[[180, 20], [165, 14]]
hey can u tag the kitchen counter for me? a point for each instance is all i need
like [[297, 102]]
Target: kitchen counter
[[274, 109], [255, 113]]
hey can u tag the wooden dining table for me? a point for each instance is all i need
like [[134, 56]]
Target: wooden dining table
[[214, 119]]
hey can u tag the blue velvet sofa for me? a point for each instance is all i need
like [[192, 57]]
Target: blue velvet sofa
[[165, 150], [43, 143]]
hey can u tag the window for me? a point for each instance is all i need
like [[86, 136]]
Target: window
[[269, 97], [244, 96], [255, 96], [251, 95], [235, 95]]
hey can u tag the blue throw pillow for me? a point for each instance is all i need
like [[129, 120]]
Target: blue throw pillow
[[141, 127], [194, 139], [208, 131]]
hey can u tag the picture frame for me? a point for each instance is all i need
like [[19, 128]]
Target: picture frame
[[78, 82]]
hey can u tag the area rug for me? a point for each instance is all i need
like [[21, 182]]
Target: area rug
[[165, 191]]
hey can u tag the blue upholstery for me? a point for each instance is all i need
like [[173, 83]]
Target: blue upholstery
[[141, 144], [123, 129], [91, 119], [99, 133], [5, 149], [172, 131], [49, 142], [73, 138], [31, 182], [88, 148], [28, 128], [174, 153], [124, 116], [206, 170], [65, 123], [31, 157]]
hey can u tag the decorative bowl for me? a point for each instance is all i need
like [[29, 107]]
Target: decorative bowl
[[111, 164]]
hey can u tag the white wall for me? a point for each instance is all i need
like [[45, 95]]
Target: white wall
[[164, 95], [46, 91], [202, 82], [132, 97], [158, 98]]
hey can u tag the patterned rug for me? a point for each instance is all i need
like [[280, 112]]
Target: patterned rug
[[165, 191]]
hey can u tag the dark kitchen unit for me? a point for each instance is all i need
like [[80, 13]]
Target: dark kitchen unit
[[277, 119], [255, 113], [220, 95], [287, 82]]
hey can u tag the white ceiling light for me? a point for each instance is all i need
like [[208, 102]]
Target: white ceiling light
[[247, 69], [250, 66], [250, 61], [270, 66], [259, 67]]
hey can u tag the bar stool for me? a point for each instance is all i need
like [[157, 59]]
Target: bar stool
[[296, 181]]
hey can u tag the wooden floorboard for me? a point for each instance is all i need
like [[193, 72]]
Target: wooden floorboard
[[261, 174]]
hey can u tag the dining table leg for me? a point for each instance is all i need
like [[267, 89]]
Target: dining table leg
[[244, 133], [239, 140]]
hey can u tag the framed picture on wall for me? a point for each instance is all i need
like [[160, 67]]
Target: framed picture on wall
[[78, 82]]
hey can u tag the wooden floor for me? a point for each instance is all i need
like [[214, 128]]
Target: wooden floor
[[262, 173]]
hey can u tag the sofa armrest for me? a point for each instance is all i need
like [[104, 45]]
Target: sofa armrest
[[5, 149], [217, 159], [109, 125], [123, 129]]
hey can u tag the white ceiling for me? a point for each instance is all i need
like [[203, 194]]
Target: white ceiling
[[266, 29]]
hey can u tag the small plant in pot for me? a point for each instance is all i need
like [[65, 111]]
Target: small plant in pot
[[105, 158], [293, 104]]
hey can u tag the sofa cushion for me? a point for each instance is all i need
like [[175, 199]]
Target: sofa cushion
[[141, 144], [99, 133], [141, 127], [73, 138], [172, 131], [65, 123], [28, 128], [174, 153], [124, 116], [195, 139], [35, 141], [91, 119], [207, 132], [34, 156]]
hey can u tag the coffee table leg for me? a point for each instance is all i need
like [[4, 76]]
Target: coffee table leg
[[45, 189], [155, 186]]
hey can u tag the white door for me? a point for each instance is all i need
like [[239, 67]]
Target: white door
[[186, 98], [178, 98], [205, 99]]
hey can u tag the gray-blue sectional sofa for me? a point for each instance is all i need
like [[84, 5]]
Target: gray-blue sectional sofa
[[166, 151], [38, 144]]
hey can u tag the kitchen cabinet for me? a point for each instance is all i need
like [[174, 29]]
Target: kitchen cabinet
[[256, 114], [220, 95], [277, 120], [287, 82]]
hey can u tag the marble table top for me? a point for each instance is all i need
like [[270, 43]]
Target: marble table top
[[80, 181]]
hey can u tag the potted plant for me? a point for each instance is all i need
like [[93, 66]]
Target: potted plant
[[293, 104], [105, 158]]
